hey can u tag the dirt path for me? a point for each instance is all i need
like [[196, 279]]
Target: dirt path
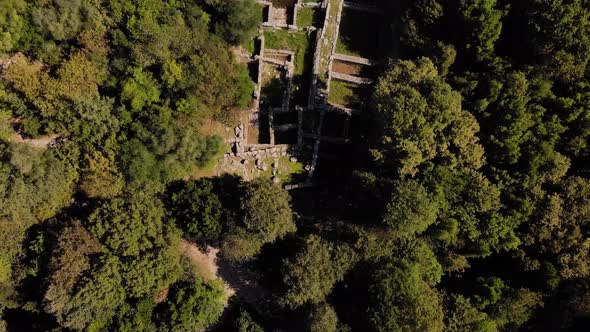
[[41, 142], [205, 263], [238, 280]]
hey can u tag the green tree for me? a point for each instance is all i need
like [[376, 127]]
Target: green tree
[[11, 24], [196, 209], [470, 219], [245, 323], [239, 245], [575, 115], [514, 120], [140, 90], [137, 317], [26, 199], [557, 230], [400, 300], [417, 23], [25, 157], [482, 24], [419, 252], [419, 119], [101, 177], [323, 319], [193, 305], [131, 228], [560, 35], [81, 294], [61, 19], [238, 20], [94, 125], [139, 163], [129, 225], [217, 81], [69, 261], [461, 315], [313, 272], [152, 271], [267, 216], [96, 298], [516, 308], [267, 210], [167, 151], [411, 209]]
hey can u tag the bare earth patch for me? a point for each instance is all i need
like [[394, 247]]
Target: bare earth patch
[[41, 142], [238, 280], [205, 263]]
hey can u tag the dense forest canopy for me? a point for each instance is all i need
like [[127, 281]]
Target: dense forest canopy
[[465, 205]]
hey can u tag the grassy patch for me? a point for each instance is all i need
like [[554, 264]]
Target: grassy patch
[[302, 45], [359, 34], [297, 42], [305, 17], [250, 45], [345, 94], [289, 172]]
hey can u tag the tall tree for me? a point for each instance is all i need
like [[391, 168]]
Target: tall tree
[[196, 209], [482, 24], [419, 119], [131, 228], [313, 272], [401, 301], [193, 305], [560, 36], [411, 209], [267, 217]]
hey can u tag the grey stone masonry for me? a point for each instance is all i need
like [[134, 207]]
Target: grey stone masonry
[[299, 125], [295, 10], [259, 76], [346, 126], [340, 109], [325, 42], [275, 61], [307, 184], [362, 7], [334, 42], [330, 139], [354, 59], [279, 26], [287, 93], [316, 149], [271, 127], [310, 4], [286, 127], [323, 57], [280, 110], [263, 151], [351, 79], [315, 70], [285, 52]]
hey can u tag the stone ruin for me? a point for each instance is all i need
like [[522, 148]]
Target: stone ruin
[[307, 144]]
